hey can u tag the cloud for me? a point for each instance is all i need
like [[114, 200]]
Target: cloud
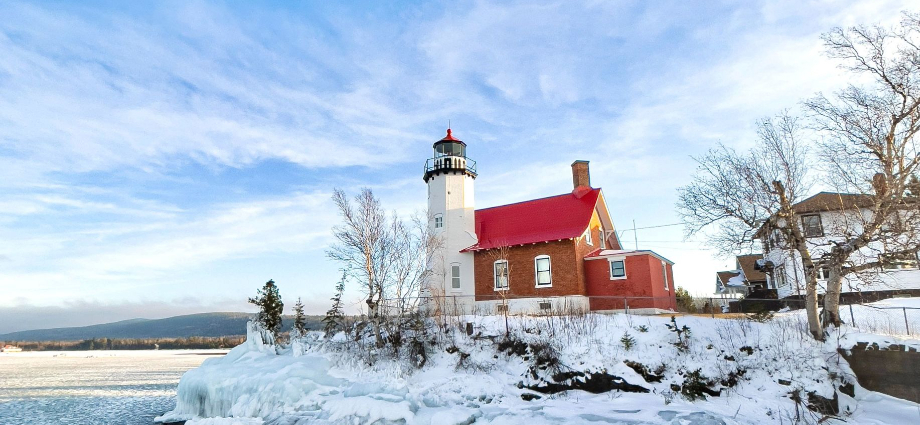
[[133, 143]]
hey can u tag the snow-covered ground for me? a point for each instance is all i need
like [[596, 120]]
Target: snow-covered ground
[[759, 369], [893, 317]]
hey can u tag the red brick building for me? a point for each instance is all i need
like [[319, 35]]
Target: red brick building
[[564, 249], [558, 252]]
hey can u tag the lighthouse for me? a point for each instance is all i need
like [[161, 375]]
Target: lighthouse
[[449, 174]]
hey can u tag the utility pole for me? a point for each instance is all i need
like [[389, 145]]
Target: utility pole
[[635, 235]]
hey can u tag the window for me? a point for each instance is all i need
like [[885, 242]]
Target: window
[[502, 308], [455, 276], [438, 221], [588, 237], [823, 273], [603, 238], [664, 273], [811, 225], [617, 269], [544, 275], [779, 276], [501, 275], [899, 261], [545, 305]]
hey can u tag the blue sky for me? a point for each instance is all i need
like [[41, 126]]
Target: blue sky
[[170, 157]]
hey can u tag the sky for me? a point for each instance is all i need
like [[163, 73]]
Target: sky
[[167, 158]]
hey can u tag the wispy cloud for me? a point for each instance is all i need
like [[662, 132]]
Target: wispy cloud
[[140, 149]]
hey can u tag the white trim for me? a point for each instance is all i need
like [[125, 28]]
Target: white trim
[[664, 274], [495, 286], [610, 261], [628, 253], [536, 271]]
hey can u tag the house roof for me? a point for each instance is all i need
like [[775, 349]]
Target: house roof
[[832, 201], [605, 253], [540, 220], [748, 265], [824, 201], [727, 275]]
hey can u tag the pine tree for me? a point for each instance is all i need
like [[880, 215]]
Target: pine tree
[[300, 320], [333, 319], [270, 307]]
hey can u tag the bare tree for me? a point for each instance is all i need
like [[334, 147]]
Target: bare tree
[[502, 274], [364, 246], [733, 194], [414, 243], [865, 138], [384, 253], [869, 145]]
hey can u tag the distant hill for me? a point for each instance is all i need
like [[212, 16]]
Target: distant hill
[[204, 324]]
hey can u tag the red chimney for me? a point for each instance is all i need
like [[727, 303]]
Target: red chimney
[[580, 175]]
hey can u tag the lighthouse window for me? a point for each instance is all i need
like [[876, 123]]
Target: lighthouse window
[[450, 149], [455, 276], [438, 221]]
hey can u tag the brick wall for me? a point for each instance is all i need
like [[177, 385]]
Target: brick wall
[[567, 272], [643, 279]]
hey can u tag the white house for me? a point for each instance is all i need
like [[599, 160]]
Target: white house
[[826, 217]]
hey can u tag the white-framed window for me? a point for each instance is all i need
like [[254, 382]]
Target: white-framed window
[[811, 226], [664, 274], [438, 221], [588, 237], [617, 268], [603, 236], [455, 276], [823, 273], [779, 276], [543, 273], [500, 268]]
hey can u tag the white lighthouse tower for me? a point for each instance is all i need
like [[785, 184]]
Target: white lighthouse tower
[[450, 174]]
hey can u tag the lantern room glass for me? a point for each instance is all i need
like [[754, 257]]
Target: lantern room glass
[[449, 149]]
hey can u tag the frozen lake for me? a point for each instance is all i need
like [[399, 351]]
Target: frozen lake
[[92, 387]]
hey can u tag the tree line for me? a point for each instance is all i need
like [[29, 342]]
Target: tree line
[[194, 342]]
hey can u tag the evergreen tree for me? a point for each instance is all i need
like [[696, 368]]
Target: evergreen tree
[[333, 319], [684, 301], [270, 307], [300, 320]]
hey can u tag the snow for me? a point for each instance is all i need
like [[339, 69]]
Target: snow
[[736, 281], [891, 317], [317, 380]]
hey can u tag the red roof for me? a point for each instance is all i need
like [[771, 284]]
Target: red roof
[[449, 137], [540, 220]]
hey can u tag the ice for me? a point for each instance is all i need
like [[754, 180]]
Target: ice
[[100, 387]]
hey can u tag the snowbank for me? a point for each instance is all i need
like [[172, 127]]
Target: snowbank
[[754, 367]]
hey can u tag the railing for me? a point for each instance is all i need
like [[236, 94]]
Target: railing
[[450, 163]]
